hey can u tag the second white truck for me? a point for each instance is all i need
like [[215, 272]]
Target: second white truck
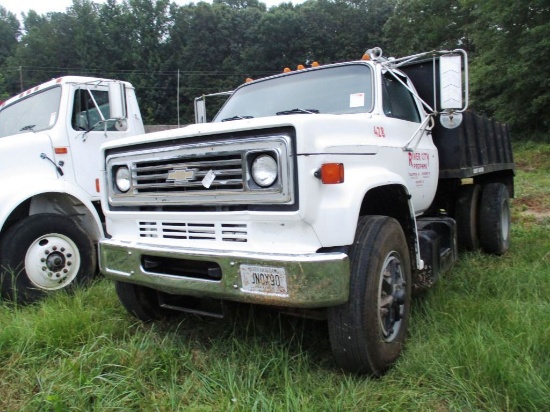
[[335, 191], [50, 216]]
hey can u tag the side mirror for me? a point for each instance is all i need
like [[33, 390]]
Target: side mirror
[[450, 75], [117, 100], [200, 109], [453, 93]]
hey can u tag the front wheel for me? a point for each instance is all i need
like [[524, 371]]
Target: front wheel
[[368, 332], [44, 253], [141, 301]]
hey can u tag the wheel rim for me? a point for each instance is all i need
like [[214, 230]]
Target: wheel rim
[[505, 221], [52, 261], [391, 297]]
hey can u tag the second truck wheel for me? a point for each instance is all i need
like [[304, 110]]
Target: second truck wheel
[[43, 253]]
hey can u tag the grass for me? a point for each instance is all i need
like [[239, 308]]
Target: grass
[[479, 340]]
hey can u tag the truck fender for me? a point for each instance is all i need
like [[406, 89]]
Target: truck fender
[[50, 196], [373, 191]]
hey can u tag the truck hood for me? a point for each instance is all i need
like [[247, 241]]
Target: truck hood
[[315, 133]]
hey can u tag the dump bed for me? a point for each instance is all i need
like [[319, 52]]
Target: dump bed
[[478, 146]]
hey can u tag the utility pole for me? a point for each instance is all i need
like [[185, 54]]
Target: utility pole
[[178, 98], [21, 77]]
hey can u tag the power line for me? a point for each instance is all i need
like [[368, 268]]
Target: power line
[[43, 69]]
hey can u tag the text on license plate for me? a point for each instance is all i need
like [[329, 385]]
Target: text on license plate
[[264, 279]]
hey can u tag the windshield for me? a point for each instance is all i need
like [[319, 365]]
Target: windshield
[[334, 90], [34, 113]]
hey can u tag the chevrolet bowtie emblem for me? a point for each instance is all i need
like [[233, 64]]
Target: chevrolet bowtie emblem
[[180, 175]]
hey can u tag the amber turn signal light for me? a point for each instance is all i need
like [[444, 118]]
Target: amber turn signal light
[[331, 173]]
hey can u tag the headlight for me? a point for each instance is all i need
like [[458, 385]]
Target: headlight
[[122, 179], [264, 170]]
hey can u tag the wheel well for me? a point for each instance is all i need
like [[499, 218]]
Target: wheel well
[[20, 212], [506, 177], [392, 201], [59, 203]]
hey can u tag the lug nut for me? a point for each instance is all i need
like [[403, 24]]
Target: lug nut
[[69, 263], [46, 252], [65, 271], [44, 268], [54, 248], [69, 255], [62, 249]]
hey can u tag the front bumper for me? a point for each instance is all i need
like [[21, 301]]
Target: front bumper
[[313, 280]]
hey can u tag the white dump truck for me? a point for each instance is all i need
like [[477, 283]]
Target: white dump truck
[[50, 216], [335, 191]]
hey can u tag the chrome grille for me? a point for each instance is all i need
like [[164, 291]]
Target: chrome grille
[[209, 173], [162, 176]]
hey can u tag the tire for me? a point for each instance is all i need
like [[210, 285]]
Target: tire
[[494, 224], [368, 332], [142, 302], [42, 254], [467, 217]]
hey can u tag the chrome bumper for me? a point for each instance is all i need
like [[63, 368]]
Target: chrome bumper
[[313, 280]]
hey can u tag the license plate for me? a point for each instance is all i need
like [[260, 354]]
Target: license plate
[[264, 279]]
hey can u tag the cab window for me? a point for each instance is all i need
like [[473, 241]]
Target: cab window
[[398, 101], [85, 113]]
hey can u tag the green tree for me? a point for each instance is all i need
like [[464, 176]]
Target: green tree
[[88, 37], [10, 32], [45, 51], [421, 25], [338, 30], [146, 57], [510, 72]]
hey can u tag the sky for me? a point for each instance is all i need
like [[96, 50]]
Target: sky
[[44, 6]]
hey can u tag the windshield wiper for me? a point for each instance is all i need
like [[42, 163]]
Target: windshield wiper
[[28, 127], [237, 118], [297, 111]]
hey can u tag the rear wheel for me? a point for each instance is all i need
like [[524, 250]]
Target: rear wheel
[[44, 253], [368, 332], [467, 216], [494, 218]]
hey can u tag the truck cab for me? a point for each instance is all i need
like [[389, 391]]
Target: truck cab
[[50, 219]]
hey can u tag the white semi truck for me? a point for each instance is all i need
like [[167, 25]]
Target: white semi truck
[[335, 191], [50, 216]]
